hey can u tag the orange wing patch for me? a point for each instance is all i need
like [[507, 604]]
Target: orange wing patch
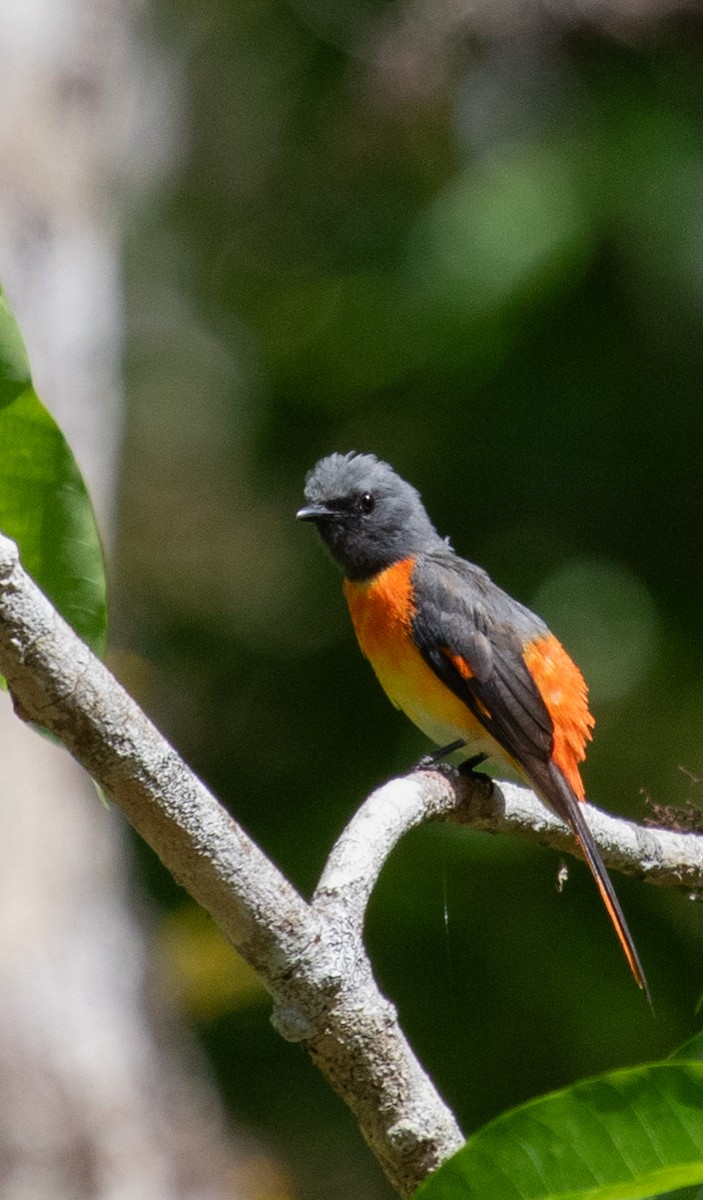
[[563, 689], [460, 663], [466, 673]]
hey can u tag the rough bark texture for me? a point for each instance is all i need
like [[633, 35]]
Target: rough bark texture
[[313, 963], [310, 956]]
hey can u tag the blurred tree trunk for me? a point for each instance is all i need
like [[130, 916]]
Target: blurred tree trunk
[[101, 1095]]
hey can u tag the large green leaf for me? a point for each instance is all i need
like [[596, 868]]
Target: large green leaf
[[631, 1134], [691, 1050], [44, 505]]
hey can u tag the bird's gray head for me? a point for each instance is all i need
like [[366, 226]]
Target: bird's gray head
[[367, 515]]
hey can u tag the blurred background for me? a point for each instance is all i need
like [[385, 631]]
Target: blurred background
[[467, 237]]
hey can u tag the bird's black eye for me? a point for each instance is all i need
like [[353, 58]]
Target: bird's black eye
[[366, 502]]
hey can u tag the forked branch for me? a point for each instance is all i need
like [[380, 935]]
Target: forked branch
[[310, 956]]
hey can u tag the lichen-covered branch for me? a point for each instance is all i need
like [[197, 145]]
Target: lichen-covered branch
[[310, 956], [658, 856], [313, 963]]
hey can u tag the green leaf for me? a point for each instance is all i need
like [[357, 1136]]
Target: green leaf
[[14, 364], [691, 1050], [631, 1134], [44, 505]]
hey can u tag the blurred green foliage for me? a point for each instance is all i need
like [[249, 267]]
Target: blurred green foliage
[[480, 257]]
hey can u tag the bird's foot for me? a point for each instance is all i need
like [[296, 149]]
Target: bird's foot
[[466, 769], [435, 760]]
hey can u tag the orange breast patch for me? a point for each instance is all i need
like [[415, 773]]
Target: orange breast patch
[[563, 689], [382, 611], [382, 608]]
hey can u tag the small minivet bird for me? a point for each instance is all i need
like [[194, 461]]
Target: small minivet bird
[[465, 662]]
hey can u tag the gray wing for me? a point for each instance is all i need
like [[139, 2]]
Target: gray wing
[[473, 636]]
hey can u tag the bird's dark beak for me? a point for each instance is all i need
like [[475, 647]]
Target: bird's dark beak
[[314, 512]]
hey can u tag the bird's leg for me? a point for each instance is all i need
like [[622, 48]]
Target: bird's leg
[[436, 758], [435, 762], [469, 765], [467, 769]]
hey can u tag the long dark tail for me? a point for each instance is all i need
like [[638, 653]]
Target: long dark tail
[[565, 804]]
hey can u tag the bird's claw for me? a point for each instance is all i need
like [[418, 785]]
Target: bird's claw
[[429, 762], [434, 760]]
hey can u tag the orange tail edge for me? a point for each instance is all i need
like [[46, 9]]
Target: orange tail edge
[[570, 810]]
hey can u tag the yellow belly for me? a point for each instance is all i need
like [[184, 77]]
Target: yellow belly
[[382, 611]]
